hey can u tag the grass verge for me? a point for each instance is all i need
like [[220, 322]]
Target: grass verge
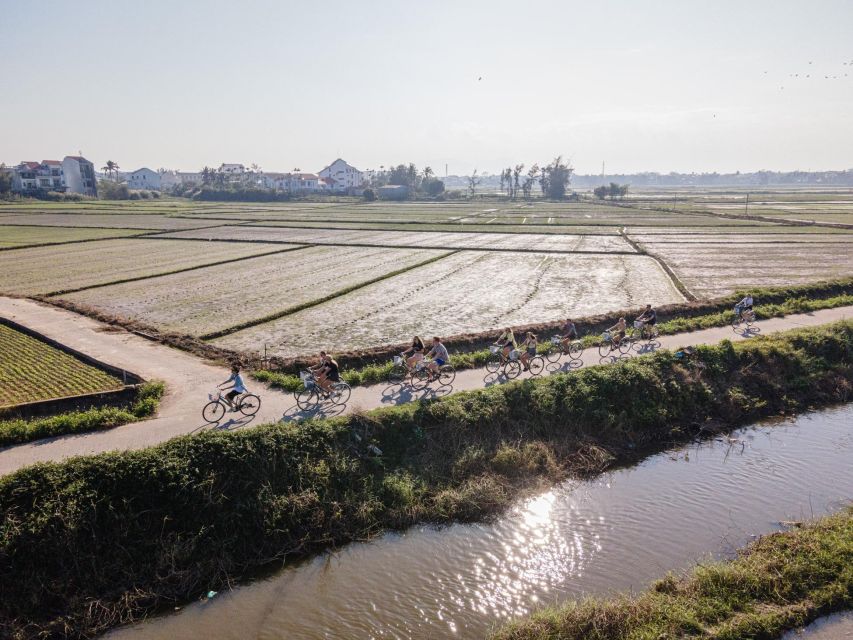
[[779, 582], [377, 373], [95, 419], [97, 541]]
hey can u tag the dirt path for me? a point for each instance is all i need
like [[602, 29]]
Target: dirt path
[[188, 380]]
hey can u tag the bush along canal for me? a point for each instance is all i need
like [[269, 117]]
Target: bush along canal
[[622, 530], [98, 541]]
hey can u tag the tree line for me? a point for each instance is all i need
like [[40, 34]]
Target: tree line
[[613, 190], [553, 180]]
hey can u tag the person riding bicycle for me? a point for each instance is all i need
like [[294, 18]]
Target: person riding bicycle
[[507, 342], [530, 343], [743, 305], [439, 355], [568, 332], [329, 374], [417, 350], [237, 387], [617, 331], [648, 318]]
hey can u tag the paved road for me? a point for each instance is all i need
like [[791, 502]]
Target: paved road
[[189, 379]]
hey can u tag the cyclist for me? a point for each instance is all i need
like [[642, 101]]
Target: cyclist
[[237, 387], [617, 331], [529, 344], [329, 374], [507, 341], [744, 305], [568, 332], [417, 351], [439, 355], [648, 318]]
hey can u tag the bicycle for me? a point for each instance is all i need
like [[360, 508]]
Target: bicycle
[[399, 369], [312, 395], [744, 318], [644, 331], [608, 345], [247, 403], [558, 348], [511, 366], [423, 376]]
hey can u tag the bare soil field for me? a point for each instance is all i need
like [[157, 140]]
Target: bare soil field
[[711, 270], [42, 270], [16, 236], [449, 240], [110, 220], [469, 291], [215, 298]]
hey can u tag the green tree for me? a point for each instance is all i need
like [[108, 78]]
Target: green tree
[[613, 190], [111, 169], [5, 179], [558, 174], [516, 180], [474, 181], [433, 187], [601, 192]]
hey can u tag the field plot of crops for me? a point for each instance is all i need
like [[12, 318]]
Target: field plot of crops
[[500, 227], [469, 291], [69, 266], [679, 237], [765, 228], [16, 236], [214, 298], [106, 220], [714, 269], [32, 370], [449, 240]]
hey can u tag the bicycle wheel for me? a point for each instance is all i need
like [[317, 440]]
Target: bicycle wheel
[[554, 353], [575, 350], [512, 369], [626, 344], [213, 411], [397, 374], [493, 363], [340, 393], [307, 399], [446, 375], [420, 378], [249, 404], [604, 349], [537, 365], [735, 323]]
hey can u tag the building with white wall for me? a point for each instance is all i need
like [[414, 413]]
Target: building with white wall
[[144, 178], [232, 169], [344, 176], [79, 176]]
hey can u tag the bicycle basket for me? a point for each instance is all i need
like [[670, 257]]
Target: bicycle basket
[[398, 360], [213, 397], [494, 348], [606, 336], [555, 340], [638, 324], [513, 355]]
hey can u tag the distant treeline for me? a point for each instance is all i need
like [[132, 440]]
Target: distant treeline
[[653, 179]]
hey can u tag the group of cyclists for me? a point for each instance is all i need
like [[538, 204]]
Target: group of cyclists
[[327, 371]]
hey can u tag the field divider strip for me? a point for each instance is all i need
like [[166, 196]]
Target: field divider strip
[[318, 301], [682, 288], [410, 246], [56, 244], [173, 272]]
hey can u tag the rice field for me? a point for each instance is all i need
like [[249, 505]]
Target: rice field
[[469, 291], [449, 240], [215, 298], [32, 370], [514, 262], [21, 235], [42, 270]]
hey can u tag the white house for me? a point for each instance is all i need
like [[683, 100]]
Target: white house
[[293, 182], [232, 169], [79, 175], [344, 176], [144, 178]]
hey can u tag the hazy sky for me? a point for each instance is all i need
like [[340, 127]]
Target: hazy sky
[[652, 85]]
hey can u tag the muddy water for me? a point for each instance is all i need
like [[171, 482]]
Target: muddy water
[[836, 627], [618, 532]]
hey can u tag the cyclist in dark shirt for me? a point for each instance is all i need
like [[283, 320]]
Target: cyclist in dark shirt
[[417, 351]]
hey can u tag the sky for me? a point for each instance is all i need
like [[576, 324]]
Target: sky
[[657, 85]]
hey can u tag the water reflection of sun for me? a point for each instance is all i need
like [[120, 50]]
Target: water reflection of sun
[[539, 550]]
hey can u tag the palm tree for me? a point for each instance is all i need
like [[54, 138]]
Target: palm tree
[[110, 168]]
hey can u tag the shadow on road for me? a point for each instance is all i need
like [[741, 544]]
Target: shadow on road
[[324, 410], [749, 332], [563, 367], [232, 422], [401, 393]]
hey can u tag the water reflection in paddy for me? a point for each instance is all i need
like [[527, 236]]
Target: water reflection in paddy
[[618, 532]]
